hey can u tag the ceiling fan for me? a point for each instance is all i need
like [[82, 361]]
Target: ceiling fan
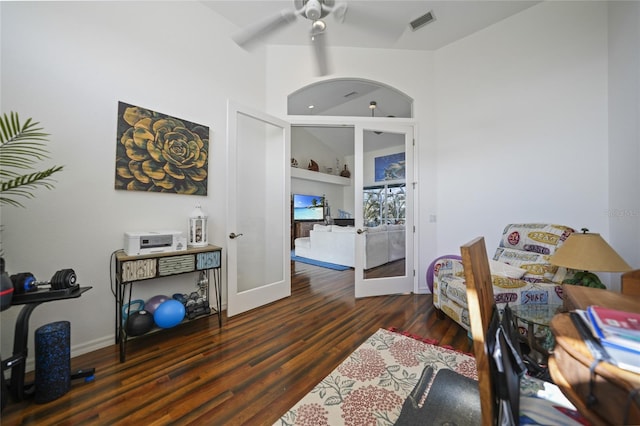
[[313, 10]]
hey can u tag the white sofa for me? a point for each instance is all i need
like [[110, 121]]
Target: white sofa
[[336, 244]]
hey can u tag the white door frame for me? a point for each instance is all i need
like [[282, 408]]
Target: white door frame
[[381, 123]]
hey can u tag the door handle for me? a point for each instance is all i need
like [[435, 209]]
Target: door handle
[[233, 235], [360, 231]]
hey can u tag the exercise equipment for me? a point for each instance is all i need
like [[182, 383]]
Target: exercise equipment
[[139, 323], [153, 303], [6, 291], [53, 361], [182, 298], [25, 282], [18, 389], [169, 314], [131, 307]]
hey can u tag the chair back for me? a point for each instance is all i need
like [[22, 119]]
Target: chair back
[[630, 283], [481, 303]]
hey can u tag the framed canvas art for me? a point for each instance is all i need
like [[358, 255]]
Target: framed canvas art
[[389, 167], [159, 153]]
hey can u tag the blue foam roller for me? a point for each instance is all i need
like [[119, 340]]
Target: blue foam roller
[[53, 361]]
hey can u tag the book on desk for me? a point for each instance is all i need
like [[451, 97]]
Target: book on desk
[[619, 341], [616, 327]]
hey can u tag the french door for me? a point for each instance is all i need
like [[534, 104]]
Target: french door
[[258, 220], [384, 209]]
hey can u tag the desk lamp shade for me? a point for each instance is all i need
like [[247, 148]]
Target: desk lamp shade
[[588, 252], [197, 228]]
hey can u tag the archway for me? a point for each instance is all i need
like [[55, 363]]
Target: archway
[[350, 97]]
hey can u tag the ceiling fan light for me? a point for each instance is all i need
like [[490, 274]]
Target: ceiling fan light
[[313, 9], [318, 26]]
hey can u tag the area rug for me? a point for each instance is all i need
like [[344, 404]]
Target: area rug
[[318, 263], [371, 385]]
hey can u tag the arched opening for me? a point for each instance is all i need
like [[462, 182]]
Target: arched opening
[[382, 200], [350, 97]]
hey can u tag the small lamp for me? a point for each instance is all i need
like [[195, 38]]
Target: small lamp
[[197, 228], [588, 252]]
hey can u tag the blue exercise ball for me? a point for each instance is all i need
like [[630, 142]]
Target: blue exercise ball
[[153, 303], [169, 314]]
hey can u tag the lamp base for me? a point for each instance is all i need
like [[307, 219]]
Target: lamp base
[[586, 279], [194, 245]]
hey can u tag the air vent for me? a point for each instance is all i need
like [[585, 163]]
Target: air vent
[[422, 21], [350, 94]]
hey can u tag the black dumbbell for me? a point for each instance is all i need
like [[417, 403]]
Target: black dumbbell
[[25, 282]]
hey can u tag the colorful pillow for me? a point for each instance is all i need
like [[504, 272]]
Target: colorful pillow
[[538, 238], [537, 265]]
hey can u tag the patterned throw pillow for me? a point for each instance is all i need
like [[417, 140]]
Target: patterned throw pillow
[[534, 237]]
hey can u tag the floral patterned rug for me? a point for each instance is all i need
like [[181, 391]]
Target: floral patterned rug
[[370, 386]]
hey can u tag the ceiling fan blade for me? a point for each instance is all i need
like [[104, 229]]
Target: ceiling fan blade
[[319, 44], [339, 11], [264, 27]]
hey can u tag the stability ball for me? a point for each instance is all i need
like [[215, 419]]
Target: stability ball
[[169, 314], [139, 323], [153, 303]]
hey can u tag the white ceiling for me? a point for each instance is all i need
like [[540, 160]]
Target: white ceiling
[[379, 23], [368, 24]]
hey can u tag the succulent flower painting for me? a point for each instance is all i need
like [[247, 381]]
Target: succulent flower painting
[[159, 153]]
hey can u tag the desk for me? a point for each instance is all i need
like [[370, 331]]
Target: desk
[[570, 361], [579, 297]]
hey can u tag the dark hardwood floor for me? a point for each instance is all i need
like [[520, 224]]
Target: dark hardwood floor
[[250, 371]]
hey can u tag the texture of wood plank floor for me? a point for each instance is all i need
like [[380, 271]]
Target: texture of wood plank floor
[[250, 371]]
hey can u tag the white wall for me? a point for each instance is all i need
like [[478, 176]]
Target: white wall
[[522, 125], [624, 130], [67, 64]]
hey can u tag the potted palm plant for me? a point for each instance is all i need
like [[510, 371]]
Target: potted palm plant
[[21, 147]]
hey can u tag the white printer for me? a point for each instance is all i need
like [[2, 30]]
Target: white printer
[[138, 243]]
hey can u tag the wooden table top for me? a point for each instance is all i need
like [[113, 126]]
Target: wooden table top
[[579, 297]]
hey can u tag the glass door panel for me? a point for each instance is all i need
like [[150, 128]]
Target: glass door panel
[[384, 215]]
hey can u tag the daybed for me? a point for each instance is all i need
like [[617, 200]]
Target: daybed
[[520, 271], [336, 244]]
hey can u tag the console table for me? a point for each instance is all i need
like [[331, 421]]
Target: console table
[[132, 269]]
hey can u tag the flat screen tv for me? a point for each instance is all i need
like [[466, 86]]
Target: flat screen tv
[[308, 207]]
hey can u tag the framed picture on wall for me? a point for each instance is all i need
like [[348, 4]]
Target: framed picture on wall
[[159, 153], [389, 167]]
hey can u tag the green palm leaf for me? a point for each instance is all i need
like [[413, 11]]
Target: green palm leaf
[[22, 146]]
